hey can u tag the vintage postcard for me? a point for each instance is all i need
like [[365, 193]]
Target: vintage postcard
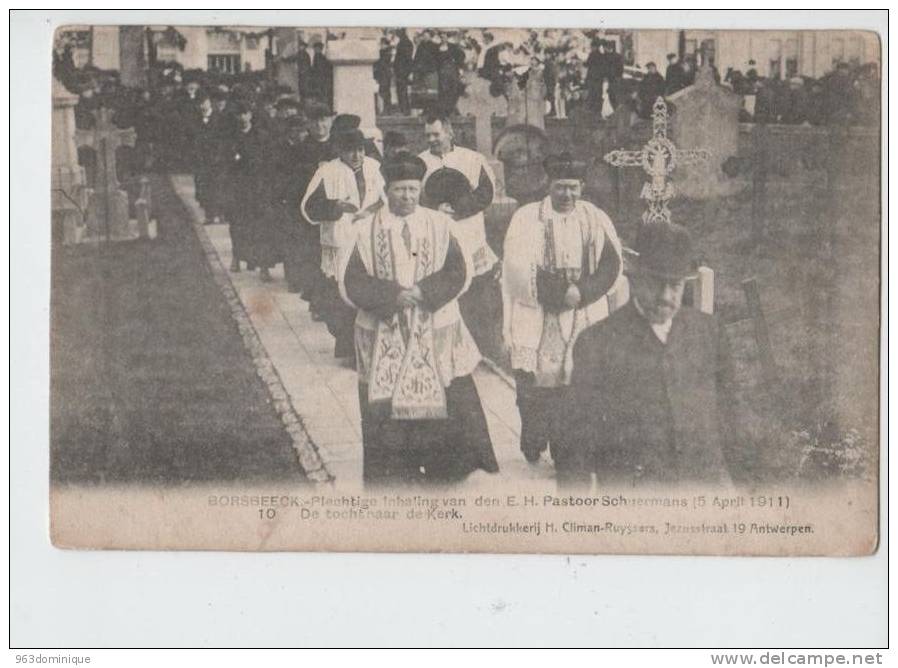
[[475, 290]]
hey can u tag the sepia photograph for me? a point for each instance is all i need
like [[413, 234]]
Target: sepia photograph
[[465, 289]]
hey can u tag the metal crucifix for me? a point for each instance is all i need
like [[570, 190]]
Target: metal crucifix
[[659, 157]]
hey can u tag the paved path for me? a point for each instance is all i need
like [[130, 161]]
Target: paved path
[[323, 392]]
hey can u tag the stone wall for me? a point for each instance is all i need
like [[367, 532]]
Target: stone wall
[[795, 154], [787, 140]]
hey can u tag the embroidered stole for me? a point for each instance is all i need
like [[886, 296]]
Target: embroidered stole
[[403, 363], [560, 330]]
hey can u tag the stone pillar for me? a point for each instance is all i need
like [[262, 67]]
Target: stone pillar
[[68, 199], [195, 54], [286, 42], [354, 86], [105, 47], [132, 56]]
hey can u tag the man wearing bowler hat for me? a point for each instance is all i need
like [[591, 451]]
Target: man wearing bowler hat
[[651, 394]]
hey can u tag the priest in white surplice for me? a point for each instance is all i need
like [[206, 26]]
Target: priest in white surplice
[[422, 420], [460, 183], [466, 188], [561, 259], [342, 192]]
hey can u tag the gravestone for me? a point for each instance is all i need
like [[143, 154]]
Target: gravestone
[[108, 203], [68, 182], [527, 105], [523, 145], [107, 216], [483, 106], [707, 115]]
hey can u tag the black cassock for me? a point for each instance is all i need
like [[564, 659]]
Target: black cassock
[[541, 407], [246, 197], [422, 451], [288, 183], [307, 258]]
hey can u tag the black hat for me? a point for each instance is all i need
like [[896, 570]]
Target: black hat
[[316, 110], [671, 56], [241, 106], [349, 139], [403, 167], [665, 250], [345, 122], [563, 166], [394, 139], [286, 103], [446, 186]]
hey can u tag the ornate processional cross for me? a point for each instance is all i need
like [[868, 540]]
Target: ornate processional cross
[[659, 157]]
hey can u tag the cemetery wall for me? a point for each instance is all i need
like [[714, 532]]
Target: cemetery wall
[[785, 144]]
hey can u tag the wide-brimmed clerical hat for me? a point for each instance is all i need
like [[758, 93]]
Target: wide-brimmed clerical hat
[[241, 106], [404, 166], [664, 250], [346, 140], [446, 186], [316, 110], [345, 122], [564, 166]]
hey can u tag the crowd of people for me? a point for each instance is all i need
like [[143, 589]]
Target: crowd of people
[[389, 249], [583, 71], [431, 67], [584, 75]]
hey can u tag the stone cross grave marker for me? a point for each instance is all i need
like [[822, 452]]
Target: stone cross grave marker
[[482, 105], [108, 205], [527, 105], [658, 158]]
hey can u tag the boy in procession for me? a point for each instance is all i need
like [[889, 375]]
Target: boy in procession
[[342, 192], [460, 183]]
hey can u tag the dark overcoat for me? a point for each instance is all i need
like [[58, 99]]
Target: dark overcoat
[[639, 410]]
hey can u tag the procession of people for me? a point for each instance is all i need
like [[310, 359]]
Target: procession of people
[[390, 251], [388, 247]]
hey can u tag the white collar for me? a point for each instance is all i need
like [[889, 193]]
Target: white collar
[[548, 212], [661, 330], [444, 155]]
